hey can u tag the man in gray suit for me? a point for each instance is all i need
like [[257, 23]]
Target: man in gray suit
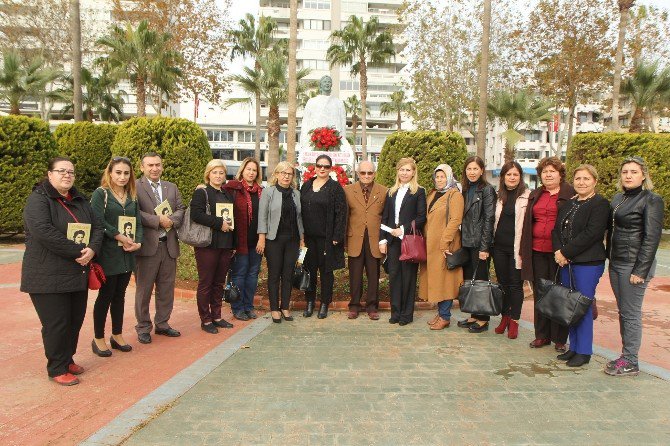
[[157, 259]]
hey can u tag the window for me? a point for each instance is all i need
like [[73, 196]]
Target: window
[[315, 45], [532, 135], [316, 24], [224, 154], [315, 64], [528, 154], [316, 4], [246, 136], [241, 154], [220, 135], [350, 85]]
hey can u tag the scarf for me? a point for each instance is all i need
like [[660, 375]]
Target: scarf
[[248, 190], [451, 181]]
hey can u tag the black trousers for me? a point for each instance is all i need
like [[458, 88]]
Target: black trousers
[[111, 298], [315, 262], [482, 268], [365, 261], [510, 281], [402, 283], [544, 267], [61, 315], [281, 255]]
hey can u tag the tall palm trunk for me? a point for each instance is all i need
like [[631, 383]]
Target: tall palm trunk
[[292, 82], [636, 122], [75, 26], [14, 107], [364, 108], [273, 138], [141, 92], [354, 125], [257, 146], [624, 10], [399, 120], [484, 81]]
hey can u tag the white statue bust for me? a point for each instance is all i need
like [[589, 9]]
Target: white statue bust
[[322, 111]]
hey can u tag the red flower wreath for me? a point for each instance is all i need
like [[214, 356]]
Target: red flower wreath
[[325, 139], [340, 174]]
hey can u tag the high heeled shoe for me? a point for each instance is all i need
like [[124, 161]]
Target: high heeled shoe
[[278, 320], [323, 311], [288, 318], [116, 346], [504, 323], [309, 309], [102, 353]]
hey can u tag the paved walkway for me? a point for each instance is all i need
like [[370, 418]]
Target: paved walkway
[[359, 382]]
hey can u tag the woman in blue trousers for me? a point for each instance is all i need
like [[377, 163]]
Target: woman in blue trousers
[[580, 252]]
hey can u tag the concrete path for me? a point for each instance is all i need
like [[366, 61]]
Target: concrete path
[[360, 382]]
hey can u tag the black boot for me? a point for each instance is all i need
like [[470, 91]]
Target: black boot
[[309, 309], [323, 311]]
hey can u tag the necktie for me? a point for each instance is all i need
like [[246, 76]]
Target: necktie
[[366, 194], [154, 186]]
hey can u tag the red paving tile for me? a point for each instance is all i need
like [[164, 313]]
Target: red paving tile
[[35, 411]]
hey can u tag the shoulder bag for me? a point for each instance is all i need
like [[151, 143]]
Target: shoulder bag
[[413, 246], [480, 296], [561, 304], [459, 257], [193, 233]]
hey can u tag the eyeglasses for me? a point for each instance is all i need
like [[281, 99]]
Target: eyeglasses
[[634, 159], [362, 172], [63, 172], [322, 166], [116, 159], [286, 174]]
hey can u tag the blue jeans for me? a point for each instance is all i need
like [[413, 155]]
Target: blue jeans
[[244, 274], [444, 309]]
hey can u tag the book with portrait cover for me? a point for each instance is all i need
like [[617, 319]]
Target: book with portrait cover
[[225, 211], [127, 227], [164, 209], [79, 232]]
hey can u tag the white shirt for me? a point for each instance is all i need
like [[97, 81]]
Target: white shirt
[[400, 195], [159, 188]]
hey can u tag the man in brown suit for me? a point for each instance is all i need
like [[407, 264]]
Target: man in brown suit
[[157, 259], [365, 200]]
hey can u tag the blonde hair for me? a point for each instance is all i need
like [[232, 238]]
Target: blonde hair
[[647, 184], [588, 168], [106, 181], [413, 183], [259, 172], [213, 164], [280, 167]]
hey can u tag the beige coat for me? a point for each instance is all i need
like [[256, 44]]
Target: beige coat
[[519, 215], [364, 216], [436, 282]]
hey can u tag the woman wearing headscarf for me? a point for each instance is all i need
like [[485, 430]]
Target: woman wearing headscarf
[[443, 237]]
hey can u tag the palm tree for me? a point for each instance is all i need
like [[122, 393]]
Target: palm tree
[[624, 14], [75, 29], [515, 110], [484, 80], [136, 54], [270, 81], [254, 41], [397, 105], [21, 80], [100, 97], [164, 77], [647, 87], [360, 44], [353, 108], [292, 82]]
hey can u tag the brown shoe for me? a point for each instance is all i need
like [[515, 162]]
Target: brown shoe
[[373, 315], [352, 314], [539, 343], [441, 324], [433, 320], [561, 348]]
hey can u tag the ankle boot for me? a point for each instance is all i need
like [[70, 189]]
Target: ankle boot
[[504, 323], [309, 309], [323, 311], [513, 329]]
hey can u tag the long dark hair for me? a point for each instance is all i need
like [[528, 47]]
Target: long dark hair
[[503, 193], [482, 181]]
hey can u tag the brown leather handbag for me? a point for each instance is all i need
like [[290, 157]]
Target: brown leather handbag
[[413, 247]]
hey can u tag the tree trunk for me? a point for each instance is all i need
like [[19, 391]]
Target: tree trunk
[[484, 81], [273, 138], [618, 64], [75, 25], [636, 121], [14, 108], [509, 152], [399, 120], [292, 83], [257, 147], [364, 109], [571, 123], [141, 97], [354, 124]]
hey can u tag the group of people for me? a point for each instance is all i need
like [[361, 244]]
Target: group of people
[[555, 232]]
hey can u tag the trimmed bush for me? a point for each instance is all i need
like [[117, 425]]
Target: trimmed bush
[[182, 144], [427, 148], [26, 146], [605, 151], [89, 145]]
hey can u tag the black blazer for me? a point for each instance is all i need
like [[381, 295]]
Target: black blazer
[[199, 214], [582, 239], [412, 209]]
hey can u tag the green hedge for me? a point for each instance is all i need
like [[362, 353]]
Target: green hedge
[[89, 147], [26, 146], [182, 144], [427, 148], [605, 151]]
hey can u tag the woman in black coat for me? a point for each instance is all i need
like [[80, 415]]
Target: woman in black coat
[[477, 231], [405, 205], [324, 216], [55, 268]]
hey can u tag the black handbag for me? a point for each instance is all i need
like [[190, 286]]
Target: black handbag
[[231, 293], [480, 296], [301, 277], [458, 258], [561, 304]]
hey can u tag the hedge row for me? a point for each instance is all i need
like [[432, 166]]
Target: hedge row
[[427, 148], [605, 151], [26, 145]]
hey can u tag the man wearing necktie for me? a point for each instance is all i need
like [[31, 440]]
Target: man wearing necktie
[[365, 200], [157, 259]]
